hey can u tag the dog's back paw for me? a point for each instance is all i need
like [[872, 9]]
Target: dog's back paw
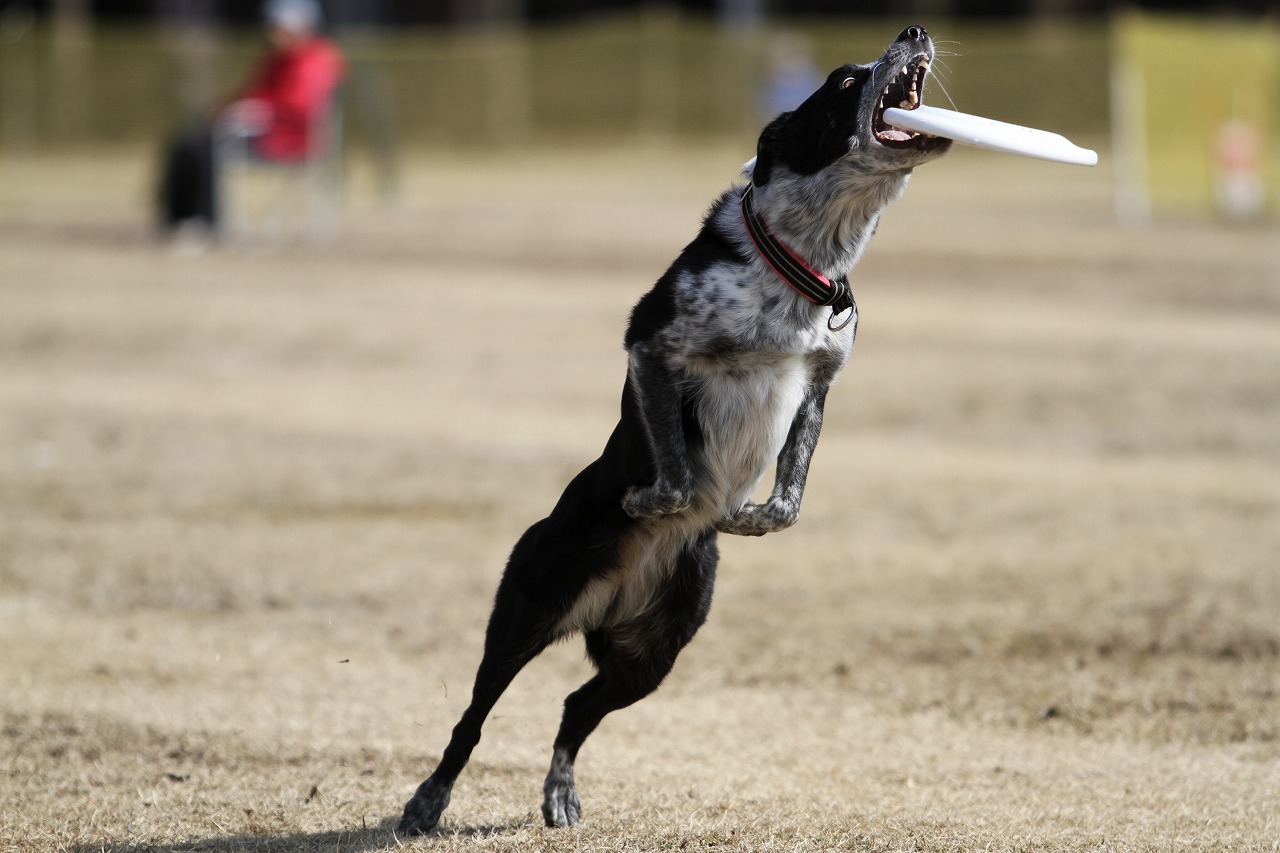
[[422, 813], [561, 806]]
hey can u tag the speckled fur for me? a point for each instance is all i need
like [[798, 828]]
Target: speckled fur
[[727, 374]]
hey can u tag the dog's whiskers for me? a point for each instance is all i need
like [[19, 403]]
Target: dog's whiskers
[[942, 68], [945, 92]]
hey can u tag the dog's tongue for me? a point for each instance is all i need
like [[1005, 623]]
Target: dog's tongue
[[892, 134]]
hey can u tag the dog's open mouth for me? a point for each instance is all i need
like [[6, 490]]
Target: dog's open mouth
[[904, 90]]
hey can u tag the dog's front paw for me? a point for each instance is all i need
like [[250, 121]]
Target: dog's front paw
[[422, 813], [655, 501], [759, 519]]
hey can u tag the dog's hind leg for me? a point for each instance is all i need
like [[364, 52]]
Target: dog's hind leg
[[423, 811], [633, 659], [517, 633], [623, 680]]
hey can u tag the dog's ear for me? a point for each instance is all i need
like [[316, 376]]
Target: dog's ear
[[818, 132], [767, 149]]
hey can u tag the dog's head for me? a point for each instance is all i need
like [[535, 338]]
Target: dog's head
[[843, 122]]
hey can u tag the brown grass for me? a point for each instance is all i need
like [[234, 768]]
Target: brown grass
[[253, 507]]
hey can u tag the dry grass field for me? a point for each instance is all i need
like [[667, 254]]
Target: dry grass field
[[253, 506]]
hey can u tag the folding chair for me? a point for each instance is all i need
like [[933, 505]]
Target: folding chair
[[270, 202]]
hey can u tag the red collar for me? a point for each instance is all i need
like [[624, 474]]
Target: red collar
[[794, 270]]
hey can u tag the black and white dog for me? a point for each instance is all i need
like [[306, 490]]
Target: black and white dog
[[730, 356]]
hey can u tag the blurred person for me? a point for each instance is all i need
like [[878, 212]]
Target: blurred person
[[290, 89], [793, 76], [189, 30]]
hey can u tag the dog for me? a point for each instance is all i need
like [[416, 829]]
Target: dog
[[729, 360]]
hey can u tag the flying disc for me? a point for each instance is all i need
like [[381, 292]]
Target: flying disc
[[991, 134]]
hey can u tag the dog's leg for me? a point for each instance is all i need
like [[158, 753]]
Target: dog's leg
[[623, 680], [633, 659], [783, 507], [516, 634], [651, 403], [422, 812]]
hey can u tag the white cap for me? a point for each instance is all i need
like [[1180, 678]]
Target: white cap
[[299, 16]]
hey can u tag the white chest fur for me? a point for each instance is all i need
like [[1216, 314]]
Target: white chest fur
[[744, 350], [744, 414], [746, 345]]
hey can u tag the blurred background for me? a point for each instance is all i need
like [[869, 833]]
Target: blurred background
[[1183, 94]]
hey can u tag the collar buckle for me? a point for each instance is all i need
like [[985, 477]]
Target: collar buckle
[[794, 270]]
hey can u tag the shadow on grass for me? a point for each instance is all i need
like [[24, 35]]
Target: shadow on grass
[[381, 837]]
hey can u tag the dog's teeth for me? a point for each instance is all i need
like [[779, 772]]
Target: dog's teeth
[[904, 105]]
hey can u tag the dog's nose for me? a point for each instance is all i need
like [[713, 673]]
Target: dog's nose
[[913, 34]]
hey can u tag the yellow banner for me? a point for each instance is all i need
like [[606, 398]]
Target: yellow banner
[[1195, 114]]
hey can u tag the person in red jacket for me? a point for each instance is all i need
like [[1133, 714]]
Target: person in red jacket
[[278, 113], [293, 88]]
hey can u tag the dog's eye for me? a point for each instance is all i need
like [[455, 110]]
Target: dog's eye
[[848, 81]]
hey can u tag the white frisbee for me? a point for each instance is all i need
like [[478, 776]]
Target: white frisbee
[[994, 135]]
